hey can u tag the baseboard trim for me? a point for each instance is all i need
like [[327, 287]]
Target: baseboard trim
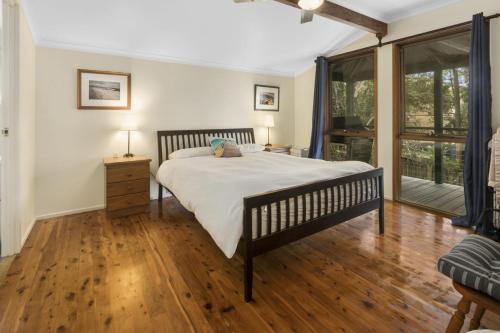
[[69, 212], [27, 232]]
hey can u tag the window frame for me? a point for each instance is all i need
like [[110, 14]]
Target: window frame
[[398, 110], [328, 132]]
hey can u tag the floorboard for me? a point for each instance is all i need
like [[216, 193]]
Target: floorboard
[[163, 273], [4, 266]]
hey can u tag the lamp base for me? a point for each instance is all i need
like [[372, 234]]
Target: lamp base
[[268, 145], [128, 155]]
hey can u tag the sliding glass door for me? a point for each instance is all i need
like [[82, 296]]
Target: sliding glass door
[[433, 122], [352, 112]]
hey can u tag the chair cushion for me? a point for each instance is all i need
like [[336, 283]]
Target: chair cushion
[[474, 263]]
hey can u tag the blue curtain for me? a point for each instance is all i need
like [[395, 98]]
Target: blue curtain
[[477, 195], [319, 109]]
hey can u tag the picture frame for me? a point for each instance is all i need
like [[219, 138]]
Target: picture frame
[[266, 98], [103, 90]]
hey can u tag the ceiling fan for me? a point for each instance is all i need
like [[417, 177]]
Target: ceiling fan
[[333, 11], [307, 8]]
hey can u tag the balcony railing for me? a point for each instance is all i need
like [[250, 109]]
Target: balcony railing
[[423, 170]]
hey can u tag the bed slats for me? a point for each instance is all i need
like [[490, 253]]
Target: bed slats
[[283, 210]]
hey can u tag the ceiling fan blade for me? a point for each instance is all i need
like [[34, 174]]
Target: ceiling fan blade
[[306, 16]]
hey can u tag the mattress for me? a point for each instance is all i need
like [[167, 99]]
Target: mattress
[[213, 188]]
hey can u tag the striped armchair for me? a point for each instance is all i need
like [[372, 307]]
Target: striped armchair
[[474, 267]]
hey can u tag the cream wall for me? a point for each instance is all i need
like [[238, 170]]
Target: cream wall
[[71, 143], [304, 95], [25, 128], [442, 17]]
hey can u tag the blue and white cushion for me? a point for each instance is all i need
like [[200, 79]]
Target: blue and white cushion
[[217, 144], [474, 263]]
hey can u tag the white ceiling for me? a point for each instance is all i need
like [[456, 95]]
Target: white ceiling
[[258, 37]]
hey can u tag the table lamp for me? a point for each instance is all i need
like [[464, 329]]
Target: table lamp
[[129, 125], [268, 123]]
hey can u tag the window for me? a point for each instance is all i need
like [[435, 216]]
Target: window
[[433, 122], [436, 80], [351, 114]]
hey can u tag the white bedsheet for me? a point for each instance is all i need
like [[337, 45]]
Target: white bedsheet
[[214, 188]]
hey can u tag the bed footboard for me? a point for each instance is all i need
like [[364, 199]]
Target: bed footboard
[[280, 217]]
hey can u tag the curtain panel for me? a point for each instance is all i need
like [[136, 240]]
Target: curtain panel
[[478, 198], [319, 109]]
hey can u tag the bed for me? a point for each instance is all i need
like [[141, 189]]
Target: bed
[[262, 199]]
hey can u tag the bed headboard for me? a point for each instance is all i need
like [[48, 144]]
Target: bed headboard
[[170, 141]]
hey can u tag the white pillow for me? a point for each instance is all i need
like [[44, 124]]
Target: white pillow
[[247, 148], [190, 152]]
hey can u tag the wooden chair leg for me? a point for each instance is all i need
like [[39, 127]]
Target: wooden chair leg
[[476, 320], [457, 320]]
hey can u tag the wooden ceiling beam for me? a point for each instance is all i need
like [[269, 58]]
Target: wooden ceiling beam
[[342, 14]]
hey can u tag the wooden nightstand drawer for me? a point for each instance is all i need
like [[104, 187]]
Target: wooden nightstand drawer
[[128, 201], [121, 173], [129, 187]]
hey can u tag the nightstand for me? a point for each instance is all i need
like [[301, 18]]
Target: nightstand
[[127, 185], [280, 149]]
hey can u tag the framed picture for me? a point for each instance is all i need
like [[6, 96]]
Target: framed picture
[[103, 90], [266, 98]]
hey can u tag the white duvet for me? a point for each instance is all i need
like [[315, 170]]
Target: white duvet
[[214, 188]]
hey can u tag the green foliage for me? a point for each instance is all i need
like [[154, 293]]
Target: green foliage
[[455, 99], [362, 100], [419, 101], [417, 160], [339, 98]]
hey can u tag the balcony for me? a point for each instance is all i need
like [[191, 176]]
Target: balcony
[[442, 197]]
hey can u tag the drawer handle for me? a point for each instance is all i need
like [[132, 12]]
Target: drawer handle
[[129, 175]]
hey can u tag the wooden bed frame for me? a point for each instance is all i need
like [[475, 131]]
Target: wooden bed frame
[[343, 199]]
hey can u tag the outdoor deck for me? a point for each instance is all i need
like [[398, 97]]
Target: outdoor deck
[[443, 197]]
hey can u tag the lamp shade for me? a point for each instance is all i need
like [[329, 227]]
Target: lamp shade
[[269, 121], [310, 4], [129, 124]]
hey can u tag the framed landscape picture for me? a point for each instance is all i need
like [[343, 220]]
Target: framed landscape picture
[[266, 98], [103, 90]]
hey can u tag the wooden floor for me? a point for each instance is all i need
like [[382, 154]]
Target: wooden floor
[[86, 273], [443, 197], [4, 266]]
